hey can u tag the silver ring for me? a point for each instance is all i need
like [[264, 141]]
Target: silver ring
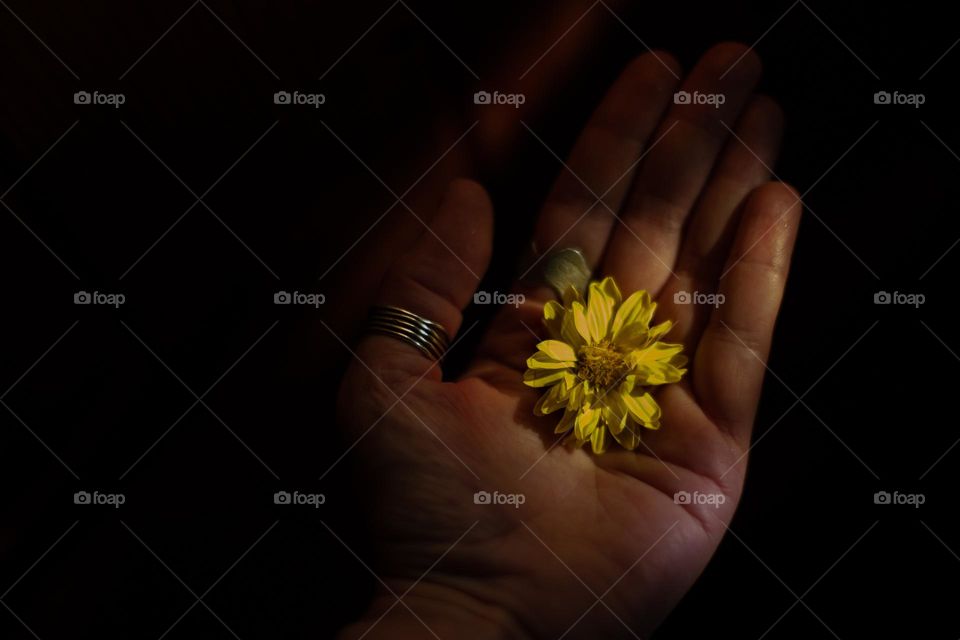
[[427, 336]]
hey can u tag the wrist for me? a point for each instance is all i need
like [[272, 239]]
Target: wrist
[[429, 611]]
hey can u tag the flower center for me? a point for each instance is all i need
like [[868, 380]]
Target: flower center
[[602, 365]]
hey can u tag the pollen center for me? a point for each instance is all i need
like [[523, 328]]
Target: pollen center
[[601, 365]]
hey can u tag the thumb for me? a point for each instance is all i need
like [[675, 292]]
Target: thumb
[[435, 279]]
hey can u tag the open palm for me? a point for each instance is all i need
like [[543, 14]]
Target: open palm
[[671, 198]]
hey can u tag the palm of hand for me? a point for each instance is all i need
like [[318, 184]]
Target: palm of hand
[[586, 521]]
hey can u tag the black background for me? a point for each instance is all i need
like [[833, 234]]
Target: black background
[[879, 418]]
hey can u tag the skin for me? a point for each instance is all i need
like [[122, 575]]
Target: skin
[[591, 527]]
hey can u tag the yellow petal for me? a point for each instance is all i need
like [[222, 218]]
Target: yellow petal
[[609, 286], [657, 352], [586, 422], [658, 331], [568, 330], [553, 314], [659, 363], [642, 407], [589, 392], [629, 438], [598, 441], [555, 398], [577, 396], [637, 336], [634, 336], [638, 308], [580, 322], [543, 377], [558, 350], [615, 415], [543, 361], [599, 312], [660, 374], [566, 422]]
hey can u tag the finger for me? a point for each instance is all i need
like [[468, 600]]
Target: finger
[[604, 158], [601, 167], [743, 166], [436, 278], [643, 249], [730, 361]]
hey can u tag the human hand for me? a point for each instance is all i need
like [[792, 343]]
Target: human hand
[[664, 198]]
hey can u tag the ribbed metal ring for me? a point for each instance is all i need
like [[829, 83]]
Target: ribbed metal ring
[[427, 336]]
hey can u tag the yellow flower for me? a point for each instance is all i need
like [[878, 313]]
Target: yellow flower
[[600, 363]]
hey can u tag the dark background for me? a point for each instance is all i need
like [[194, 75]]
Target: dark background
[[200, 302]]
